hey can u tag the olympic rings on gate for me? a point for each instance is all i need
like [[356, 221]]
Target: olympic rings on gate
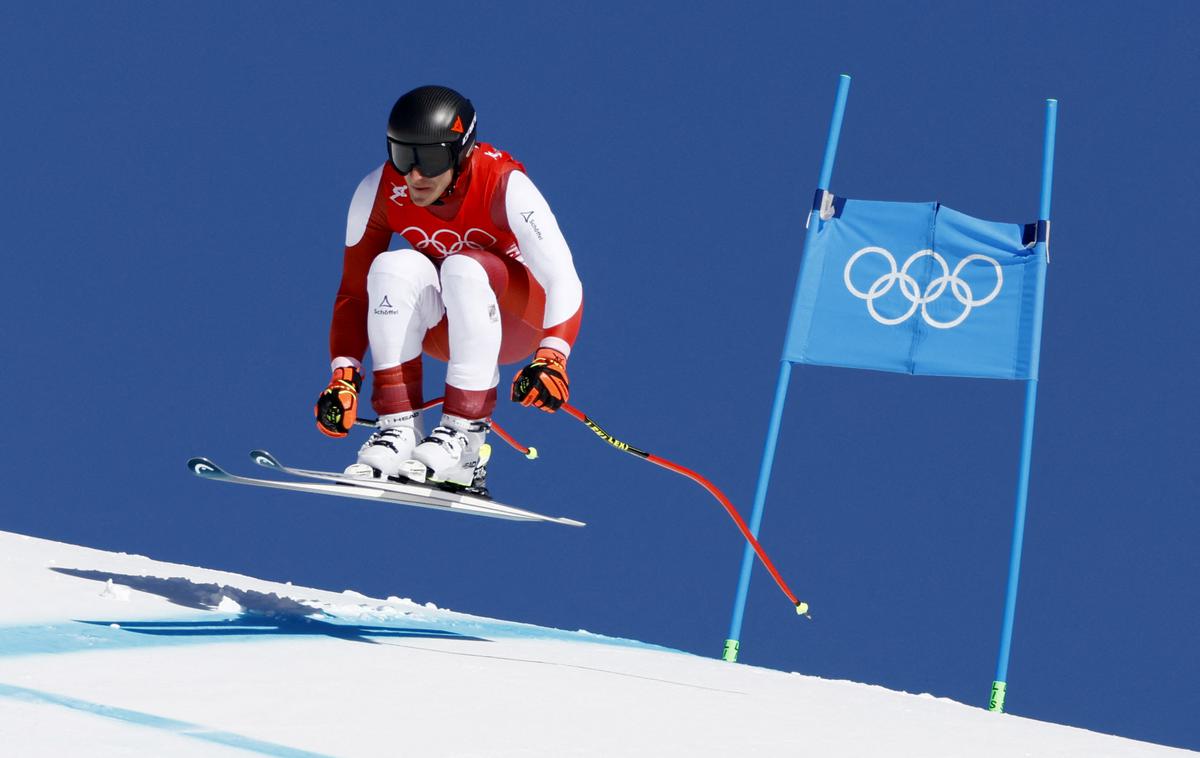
[[911, 290]]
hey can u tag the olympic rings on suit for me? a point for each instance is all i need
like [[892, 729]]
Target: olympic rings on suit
[[448, 241]]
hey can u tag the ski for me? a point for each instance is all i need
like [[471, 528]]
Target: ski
[[381, 491]]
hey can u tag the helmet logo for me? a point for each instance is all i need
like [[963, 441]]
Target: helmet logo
[[458, 127]]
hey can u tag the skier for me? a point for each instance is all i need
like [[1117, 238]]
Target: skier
[[484, 278]]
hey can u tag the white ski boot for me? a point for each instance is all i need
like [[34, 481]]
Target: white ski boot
[[454, 455], [393, 442]]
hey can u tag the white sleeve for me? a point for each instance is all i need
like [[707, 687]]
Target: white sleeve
[[545, 252], [360, 207]]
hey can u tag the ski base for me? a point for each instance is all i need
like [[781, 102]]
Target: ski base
[[385, 491]]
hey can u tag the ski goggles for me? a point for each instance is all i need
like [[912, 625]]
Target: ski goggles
[[433, 160]]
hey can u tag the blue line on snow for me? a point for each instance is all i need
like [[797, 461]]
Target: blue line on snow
[[182, 728]]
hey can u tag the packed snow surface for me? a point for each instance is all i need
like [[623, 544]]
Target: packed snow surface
[[105, 654]]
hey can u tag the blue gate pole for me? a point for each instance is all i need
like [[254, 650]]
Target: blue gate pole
[[1000, 683], [732, 643]]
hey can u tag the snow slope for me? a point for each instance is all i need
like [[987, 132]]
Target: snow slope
[[109, 654]]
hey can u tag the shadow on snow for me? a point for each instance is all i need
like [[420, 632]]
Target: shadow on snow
[[262, 613]]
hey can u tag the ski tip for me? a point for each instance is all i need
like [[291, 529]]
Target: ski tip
[[569, 521], [265, 459], [204, 467]]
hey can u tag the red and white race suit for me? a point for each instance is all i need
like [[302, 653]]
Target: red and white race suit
[[485, 278]]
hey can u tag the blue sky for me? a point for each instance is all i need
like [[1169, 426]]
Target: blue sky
[[176, 184]]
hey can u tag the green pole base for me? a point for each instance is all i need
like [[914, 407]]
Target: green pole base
[[999, 691], [731, 651]]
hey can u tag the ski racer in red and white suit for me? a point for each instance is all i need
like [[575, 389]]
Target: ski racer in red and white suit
[[485, 278]]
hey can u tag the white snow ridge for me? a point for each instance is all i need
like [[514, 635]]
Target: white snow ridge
[[105, 654]]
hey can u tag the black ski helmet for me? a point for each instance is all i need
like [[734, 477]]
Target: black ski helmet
[[433, 117]]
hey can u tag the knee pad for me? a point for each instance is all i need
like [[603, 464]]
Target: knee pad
[[409, 266], [465, 267]]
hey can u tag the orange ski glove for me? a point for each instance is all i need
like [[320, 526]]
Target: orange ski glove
[[337, 407], [543, 383]]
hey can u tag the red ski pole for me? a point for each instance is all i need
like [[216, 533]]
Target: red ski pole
[[801, 607], [531, 453]]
